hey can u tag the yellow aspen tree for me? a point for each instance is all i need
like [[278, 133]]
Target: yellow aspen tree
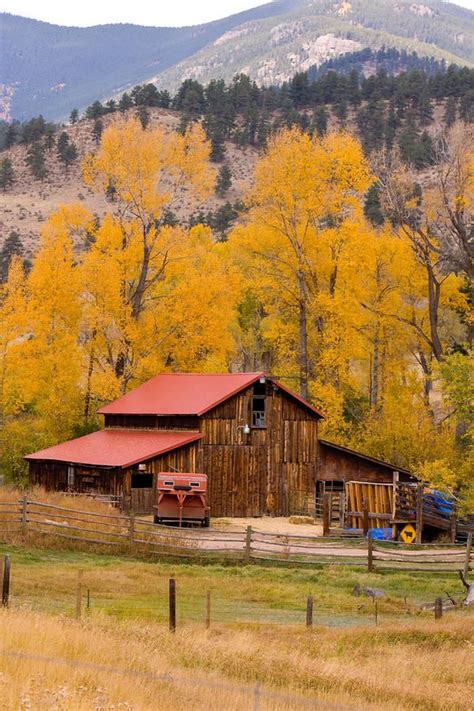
[[13, 332], [53, 355], [304, 212], [148, 172]]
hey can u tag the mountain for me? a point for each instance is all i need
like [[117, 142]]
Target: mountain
[[50, 69]]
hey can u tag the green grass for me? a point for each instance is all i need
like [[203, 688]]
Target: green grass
[[45, 580]]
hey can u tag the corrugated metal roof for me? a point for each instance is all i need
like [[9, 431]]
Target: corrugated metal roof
[[188, 394], [115, 448]]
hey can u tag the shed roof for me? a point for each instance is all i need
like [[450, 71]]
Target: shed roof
[[366, 457], [115, 448], [189, 394]]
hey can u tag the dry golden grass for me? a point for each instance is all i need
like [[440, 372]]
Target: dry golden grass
[[427, 666], [58, 498], [63, 522]]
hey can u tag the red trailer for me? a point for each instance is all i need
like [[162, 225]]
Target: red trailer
[[181, 498]]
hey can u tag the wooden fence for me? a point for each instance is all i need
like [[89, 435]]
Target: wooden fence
[[36, 520]]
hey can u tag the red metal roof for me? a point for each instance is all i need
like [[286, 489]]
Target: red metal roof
[[188, 394], [116, 448]]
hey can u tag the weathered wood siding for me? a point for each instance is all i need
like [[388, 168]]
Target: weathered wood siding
[[152, 422], [251, 474], [114, 481], [336, 465], [54, 477], [184, 459]]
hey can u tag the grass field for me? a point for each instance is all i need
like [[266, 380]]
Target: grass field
[[407, 661]]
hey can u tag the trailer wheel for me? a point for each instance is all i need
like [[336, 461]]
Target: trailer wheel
[[156, 519], [205, 522]]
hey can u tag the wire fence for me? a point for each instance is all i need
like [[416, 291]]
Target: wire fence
[[257, 696]]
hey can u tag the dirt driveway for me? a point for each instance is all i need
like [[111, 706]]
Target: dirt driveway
[[267, 524]]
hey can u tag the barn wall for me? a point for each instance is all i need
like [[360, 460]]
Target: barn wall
[[184, 459], [53, 476], [251, 474], [336, 465], [116, 482], [177, 422]]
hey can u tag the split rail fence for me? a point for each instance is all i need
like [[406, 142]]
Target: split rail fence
[[27, 519]]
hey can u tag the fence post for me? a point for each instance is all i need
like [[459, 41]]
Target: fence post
[[248, 545], [438, 608], [24, 511], [131, 528], [208, 609], [256, 697], [172, 601], [419, 513], [365, 517], [370, 552], [6, 580], [79, 595], [342, 509], [326, 523], [467, 562], [309, 611]]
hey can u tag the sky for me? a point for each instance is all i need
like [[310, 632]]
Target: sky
[[84, 13]]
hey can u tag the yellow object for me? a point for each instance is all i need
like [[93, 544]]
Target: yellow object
[[408, 533]]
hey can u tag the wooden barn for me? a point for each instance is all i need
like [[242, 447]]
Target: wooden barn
[[256, 440]]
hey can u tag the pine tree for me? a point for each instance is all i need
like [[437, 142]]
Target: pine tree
[[35, 160], [11, 135], [450, 111], [373, 207], [143, 116], [49, 134], [224, 180], [97, 129], [391, 125], [67, 152], [320, 120], [125, 102], [7, 174], [95, 111], [425, 109], [74, 116], [466, 106], [11, 247]]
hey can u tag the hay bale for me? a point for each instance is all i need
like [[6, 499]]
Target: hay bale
[[298, 520]]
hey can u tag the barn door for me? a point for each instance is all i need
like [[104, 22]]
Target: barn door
[[142, 493]]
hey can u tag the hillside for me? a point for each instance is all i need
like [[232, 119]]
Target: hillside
[[47, 69], [28, 203]]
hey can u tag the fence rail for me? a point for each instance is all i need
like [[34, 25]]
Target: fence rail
[[136, 536]]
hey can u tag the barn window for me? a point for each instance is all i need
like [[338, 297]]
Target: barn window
[[258, 405], [142, 481], [70, 477]]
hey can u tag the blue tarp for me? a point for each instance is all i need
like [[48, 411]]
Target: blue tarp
[[381, 534], [438, 502]]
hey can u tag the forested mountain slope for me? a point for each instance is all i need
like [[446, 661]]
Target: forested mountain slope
[[41, 163], [49, 69]]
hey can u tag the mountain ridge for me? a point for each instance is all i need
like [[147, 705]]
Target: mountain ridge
[[48, 69]]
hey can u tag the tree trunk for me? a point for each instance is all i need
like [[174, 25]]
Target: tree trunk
[[434, 291], [303, 337], [374, 371]]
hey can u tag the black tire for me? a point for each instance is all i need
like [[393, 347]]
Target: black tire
[[205, 522], [156, 519]]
